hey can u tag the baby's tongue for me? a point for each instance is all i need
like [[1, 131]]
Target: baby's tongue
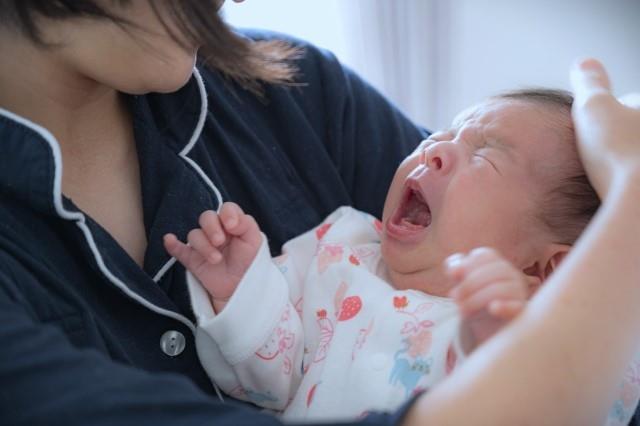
[[417, 213]]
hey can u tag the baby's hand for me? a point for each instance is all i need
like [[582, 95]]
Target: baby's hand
[[220, 251], [490, 293]]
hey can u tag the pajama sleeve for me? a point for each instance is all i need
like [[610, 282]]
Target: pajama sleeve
[[253, 349]]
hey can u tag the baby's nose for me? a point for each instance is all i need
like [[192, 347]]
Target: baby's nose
[[438, 157]]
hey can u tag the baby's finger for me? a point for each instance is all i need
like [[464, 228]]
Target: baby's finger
[[457, 266], [230, 217], [453, 266], [173, 246], [210, 224], [483, 275], [483, 297], [247, 229], [201, 244], [506, 309], [176, 248]]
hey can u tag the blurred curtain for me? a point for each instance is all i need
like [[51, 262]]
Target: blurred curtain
[[394, 44]]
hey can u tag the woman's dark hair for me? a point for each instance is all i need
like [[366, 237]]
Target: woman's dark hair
[[245, 61], [570, 202]]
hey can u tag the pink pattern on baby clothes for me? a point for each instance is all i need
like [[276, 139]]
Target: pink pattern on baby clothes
[[328, 254], [346, 307], [326, 334], [363, 333], [417, 330], [322, 229], [364, 252], [279, 343], [311, 393], [350, 307], [410, 362], [419, 343]]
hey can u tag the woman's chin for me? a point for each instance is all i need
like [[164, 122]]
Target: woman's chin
[[165, 84]]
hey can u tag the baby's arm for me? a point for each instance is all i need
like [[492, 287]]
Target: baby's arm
[[252, 346], [490, 293], [219, 252]]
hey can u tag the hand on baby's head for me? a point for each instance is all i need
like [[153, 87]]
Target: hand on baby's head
[[220, 251], [608, 131]]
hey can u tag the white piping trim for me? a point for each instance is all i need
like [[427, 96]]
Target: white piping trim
[[80, 220], [204, 109], [217, 391], [204, 106], [164, 269]]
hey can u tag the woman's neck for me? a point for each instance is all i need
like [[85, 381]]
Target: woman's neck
[[90, 120]]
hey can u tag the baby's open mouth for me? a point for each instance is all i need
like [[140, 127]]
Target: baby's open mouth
[[414, 211], [413, 214]]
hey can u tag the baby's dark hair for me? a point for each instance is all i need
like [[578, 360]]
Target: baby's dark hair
[[570, 202]]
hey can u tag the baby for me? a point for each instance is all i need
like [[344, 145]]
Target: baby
[[360, 314]]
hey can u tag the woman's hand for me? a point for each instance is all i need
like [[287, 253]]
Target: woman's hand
[[608, 132]]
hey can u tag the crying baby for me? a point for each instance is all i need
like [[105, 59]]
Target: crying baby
[[359, 314]]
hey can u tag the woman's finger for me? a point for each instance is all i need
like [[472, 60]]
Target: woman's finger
[[589, 79]]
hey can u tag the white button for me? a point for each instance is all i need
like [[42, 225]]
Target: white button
[[378, 361], [172, 343]]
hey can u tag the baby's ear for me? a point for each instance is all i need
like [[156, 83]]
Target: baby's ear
[[555, 255], [539, 271]]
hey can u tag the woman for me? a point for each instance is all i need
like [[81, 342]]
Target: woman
[[94, 316]]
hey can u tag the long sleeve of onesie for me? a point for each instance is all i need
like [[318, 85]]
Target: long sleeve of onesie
[[254, 348]]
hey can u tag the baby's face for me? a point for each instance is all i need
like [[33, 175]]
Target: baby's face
[[473, 185]]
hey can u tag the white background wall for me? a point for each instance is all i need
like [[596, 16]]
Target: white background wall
[[494, 45], [435, 57]]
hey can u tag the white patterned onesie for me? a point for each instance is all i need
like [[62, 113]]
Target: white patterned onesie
[[319, 333]]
